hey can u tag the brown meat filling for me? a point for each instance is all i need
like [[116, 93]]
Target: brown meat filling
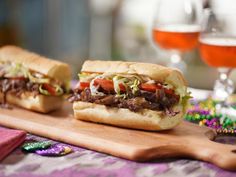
[[159, 101], [17, 87]]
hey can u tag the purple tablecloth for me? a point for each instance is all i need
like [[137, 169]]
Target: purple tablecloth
[[86, 163]]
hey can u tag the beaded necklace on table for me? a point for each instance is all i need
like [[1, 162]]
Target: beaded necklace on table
[[204, 113]]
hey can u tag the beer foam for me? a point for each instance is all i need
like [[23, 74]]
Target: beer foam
[[182, 28], [218, 41]]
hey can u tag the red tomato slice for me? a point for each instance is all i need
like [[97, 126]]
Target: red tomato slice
[[83, 85], [169, 91], [50, 89], [122, 87], [150, 87], [154, 87], [172, 93], [105, 84], [108, 85]]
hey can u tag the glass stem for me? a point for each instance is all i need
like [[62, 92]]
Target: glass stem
[[175, 58], [223, 86], [176, 61]]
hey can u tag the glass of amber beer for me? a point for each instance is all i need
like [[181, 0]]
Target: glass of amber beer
[[218, 49], [176, 28]]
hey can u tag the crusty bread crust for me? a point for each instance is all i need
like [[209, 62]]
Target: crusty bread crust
[[40, 103], [154, 71], [144, 119], [54, 69]]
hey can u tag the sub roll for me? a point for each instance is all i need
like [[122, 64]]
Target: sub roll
[[129, 94], [31, 81]]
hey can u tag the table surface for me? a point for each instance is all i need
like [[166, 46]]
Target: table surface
[[86, 163]]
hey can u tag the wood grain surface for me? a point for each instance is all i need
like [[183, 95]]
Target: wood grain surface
[[186, 140]]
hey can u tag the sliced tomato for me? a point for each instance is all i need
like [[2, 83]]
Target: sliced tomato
[[172, 93], [150, 87], [105, 84], [108, 85], [169, 91], [154, 87], [50, 89], [83, 85], [122, 87]]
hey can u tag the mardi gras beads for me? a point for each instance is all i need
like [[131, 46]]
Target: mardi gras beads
[[45, 148], [230, 131], [227, 122], [204, 113], [55, 150], [34, 146]]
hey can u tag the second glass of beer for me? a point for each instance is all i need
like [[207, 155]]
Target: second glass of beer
[[218, 48]]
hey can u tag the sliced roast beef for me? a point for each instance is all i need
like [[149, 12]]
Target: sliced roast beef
[[134, 104], [17, 86], [159, 101]]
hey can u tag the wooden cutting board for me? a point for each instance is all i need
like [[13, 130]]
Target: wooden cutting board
[[186, 140]]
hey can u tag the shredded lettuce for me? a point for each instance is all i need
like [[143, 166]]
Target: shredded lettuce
[[134, 86], [17, 69], [14, 70], [58, 90], [43, 91], [37, 80], [117, 81], [129, 83], [185, 99]]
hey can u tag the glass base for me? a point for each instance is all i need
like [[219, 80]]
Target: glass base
[[222, 90], [223, 86]]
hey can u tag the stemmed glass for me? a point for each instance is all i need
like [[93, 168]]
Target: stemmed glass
[[176, 28], [218, 49]]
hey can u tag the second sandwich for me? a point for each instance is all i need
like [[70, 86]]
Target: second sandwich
[[32, 81]]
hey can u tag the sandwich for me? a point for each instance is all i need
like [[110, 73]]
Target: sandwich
[[131, 95], [32, 81]]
